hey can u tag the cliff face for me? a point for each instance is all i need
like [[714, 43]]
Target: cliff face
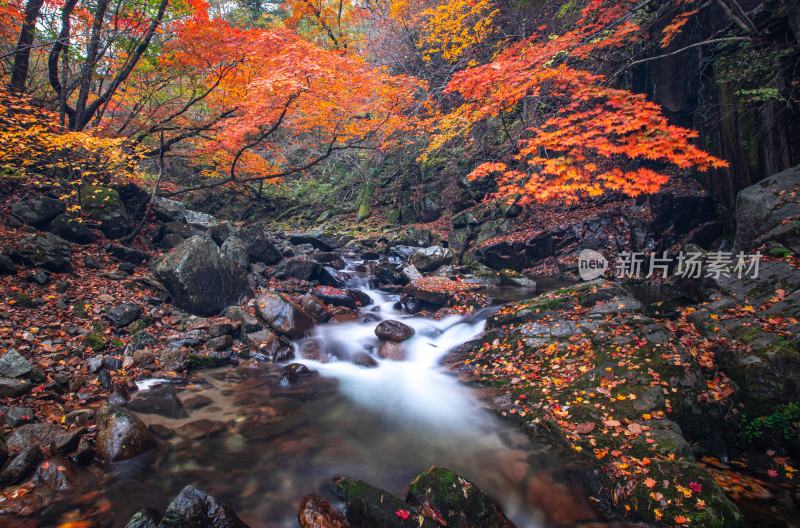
[[742, 97]]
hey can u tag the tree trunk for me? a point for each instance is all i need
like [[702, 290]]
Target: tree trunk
[[22, 53]]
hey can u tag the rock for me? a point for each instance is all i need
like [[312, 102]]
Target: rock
[[368, 506], [237, 313], [319, 239], [516, 279], [210, 359], [188, 270], [60, 475], [235, 249], [17, 416], [763, 207], [7, 266], [134, 197], [259, 247], [294, 372], [459, 501], [390, 330], [197, 401], [143, 519], [363, 359], [203, 428], [105, 206], [301, 268], [334, 296], [91, 262], [392, 350], [221, 232], [13, 364], [218, 344], [12, 388], [71, 230], [194, 508], [362, 299], [222, 328], [39, 210], [411, 273], [283, 316], [20, 466], [316, 512], [121, 434], [128, 254], [159, 400], [168, 210], [44, 250], [124, 314], [314, 306], [331, 277], [265, 341], [431, 258]]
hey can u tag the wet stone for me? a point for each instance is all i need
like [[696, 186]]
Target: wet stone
[[159, 400], [390, 330], [21, 466]]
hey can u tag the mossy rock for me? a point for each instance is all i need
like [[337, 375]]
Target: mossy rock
[[393, 217], [105, 206], [779, 251], [708, 508], [369, 507], [457, 500], [24, 300], [96, 341]]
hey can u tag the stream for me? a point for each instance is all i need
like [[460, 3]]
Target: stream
[[261, 445]]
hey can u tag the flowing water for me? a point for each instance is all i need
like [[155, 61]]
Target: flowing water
[[268, 445]]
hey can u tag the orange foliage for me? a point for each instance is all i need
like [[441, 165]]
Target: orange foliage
[[591, 139]]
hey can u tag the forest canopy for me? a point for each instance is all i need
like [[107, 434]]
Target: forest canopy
[[539, 99]]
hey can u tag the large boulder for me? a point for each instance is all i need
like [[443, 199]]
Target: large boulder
[[105, 206], [765, 206], [200, 278], [259, 247], [458, 501], [235, 249], [194, 508], [71, 229], [282, 315], [44, 250], [121, 434], [431, 258], [39, 210]]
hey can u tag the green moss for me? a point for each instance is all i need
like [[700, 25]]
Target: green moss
[[24, 300], [779, 252], [785, 420], [96, 341]]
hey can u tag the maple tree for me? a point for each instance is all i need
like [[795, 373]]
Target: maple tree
[[589, 138]]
